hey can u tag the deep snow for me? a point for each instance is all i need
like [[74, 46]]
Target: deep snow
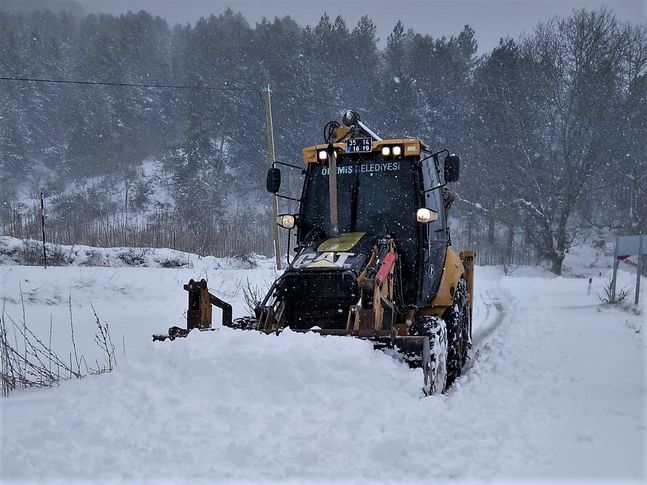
[[555, 389]]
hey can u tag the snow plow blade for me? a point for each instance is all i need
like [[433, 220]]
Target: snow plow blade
[[198, 314], [414, 350]]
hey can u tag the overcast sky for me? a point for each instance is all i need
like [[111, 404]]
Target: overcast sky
[[491, 19]]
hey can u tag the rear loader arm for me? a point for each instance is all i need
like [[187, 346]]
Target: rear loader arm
[[198, 314]]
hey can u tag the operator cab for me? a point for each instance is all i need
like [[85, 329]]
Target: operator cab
[[384, 188]]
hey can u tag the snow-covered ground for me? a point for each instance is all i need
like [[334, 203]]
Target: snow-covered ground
[[555, 389]]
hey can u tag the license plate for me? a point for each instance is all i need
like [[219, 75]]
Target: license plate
[[359, 145]]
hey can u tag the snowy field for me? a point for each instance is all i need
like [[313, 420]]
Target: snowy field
[[554, 391]]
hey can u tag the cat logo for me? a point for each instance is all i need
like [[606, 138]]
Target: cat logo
[[328, 259]]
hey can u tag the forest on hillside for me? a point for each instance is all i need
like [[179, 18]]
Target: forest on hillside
[[551, 128]]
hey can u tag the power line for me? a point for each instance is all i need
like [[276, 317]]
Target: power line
[[130, 85], [309, 100], [315, 101], [172, 86]]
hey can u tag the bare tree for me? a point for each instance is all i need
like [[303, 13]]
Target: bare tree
[[554, 103]]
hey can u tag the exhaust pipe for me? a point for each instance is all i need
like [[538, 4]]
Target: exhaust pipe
[[332, 188]]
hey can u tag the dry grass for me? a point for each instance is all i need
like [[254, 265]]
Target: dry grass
[[27, 361]]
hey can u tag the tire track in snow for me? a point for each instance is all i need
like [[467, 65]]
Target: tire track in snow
[[495, 306], [489, 313], [494, 315]]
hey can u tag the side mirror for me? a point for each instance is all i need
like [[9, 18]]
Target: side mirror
[[452, 168], [273, 180]]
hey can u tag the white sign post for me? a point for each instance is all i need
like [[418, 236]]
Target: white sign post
[[628, 246]]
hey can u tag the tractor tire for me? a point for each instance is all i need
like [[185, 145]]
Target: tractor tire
[[435, 363], [457, 318]]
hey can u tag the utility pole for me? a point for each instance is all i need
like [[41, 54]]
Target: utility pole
[[614, 277], [270, 159], [42, 225], [639, 269]]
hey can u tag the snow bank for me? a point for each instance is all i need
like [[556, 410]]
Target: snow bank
[[29, 252], [222, 404], [555, 389]]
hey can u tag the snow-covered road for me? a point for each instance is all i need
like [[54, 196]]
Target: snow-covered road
[[555, 390]]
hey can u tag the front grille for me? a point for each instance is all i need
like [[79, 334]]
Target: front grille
[[318, 298]]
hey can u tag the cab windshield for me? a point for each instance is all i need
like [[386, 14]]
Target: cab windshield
[[373, 195]]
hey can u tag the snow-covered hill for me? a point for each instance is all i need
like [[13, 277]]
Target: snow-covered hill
[[555, 389], [147, 187]]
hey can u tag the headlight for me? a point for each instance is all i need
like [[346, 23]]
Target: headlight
[[425, 215], [397, 150], [323, 155], [386, 151], [287, 221]]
